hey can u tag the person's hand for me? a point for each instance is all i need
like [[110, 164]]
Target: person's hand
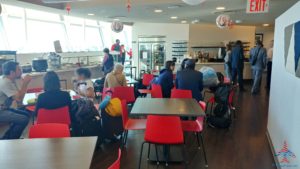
[[27, 79]]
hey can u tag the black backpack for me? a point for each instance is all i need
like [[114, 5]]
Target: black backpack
[[222, 93]]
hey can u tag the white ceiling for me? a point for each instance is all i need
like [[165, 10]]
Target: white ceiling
[[143, 10]]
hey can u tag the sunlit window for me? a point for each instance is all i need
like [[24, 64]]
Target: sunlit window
[[93, 40], [34, 14], [75, 37]]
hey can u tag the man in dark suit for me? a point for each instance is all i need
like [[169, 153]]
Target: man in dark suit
[[190, 79], [237, 64]]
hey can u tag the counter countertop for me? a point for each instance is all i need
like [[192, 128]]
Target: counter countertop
[[212, 63]]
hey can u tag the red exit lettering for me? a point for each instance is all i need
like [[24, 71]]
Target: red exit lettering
[[257, 5]]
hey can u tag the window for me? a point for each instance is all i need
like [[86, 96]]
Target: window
[[39, 15], [15, 32], [93, 40]]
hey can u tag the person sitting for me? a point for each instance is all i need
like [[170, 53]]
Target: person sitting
[[165, 79], [115, 78], [11, 97], [108, 62], [190, 79], [53, 97], [85, 86]]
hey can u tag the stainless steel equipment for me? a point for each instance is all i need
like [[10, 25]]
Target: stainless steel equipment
[[152, 53]]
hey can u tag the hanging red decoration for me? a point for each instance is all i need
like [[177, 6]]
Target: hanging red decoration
[[128, 5], [68, 8]]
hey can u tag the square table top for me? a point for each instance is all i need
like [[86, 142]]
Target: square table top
[[166, 107], [129, 80], [60, 153]]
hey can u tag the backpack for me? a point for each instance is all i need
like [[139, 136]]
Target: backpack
[[222, 93], [114, 107]]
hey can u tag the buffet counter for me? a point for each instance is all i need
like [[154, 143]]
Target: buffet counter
[[219, 67], [66, 75]]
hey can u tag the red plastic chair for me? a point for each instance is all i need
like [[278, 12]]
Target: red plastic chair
[[50, 130], [156, 91], [116, 164], [181, 94], [60, 115], [124, 93], [35, 90], [147, 78], [162, 130], [196, 126], [130, 124]]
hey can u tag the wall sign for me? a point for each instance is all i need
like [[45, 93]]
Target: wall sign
[[258, 6]]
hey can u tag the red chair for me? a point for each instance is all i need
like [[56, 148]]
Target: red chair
[[181, 94], [116, 164], [35, 90], [50, 130], [60, 115], [124, 93], [156, 91], [227, 80], [196, 126], [162, 130], [147, 78], [230, 102], [130, 124]]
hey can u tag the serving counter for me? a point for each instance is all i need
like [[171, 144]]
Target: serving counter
[[219, 67]]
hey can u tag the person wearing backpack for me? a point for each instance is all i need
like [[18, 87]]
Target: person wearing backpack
[[258, 59]]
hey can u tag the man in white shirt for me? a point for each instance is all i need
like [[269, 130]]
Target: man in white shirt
[[11, 97]]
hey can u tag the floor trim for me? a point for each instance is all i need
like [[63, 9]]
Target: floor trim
[[272, 149]]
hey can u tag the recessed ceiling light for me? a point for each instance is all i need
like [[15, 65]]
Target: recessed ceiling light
[[174, 17], [91, 14], [116, 19], [195, 21], [183, 21], [220, 8], [266, 24], [158, 11]]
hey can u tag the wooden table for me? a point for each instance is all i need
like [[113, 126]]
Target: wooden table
[[166, 107], [64, 153], [29, 96]]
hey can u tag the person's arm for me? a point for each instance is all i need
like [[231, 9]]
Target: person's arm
[[265, 58], [19, 95], [106, 82], [124, 81], [113, 48]]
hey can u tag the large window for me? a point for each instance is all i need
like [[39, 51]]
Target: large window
[[33, 31]]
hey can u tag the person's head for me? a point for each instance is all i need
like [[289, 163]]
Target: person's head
[[259, 43], [118, 41], [83, 73], [118, 69], [12, 70], [170, 65], [183, 63], [174, 59], [190, 64], [106, 50], [239, 43], [51, 82], [228, 47]]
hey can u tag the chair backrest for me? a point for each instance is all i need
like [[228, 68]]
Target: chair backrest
[[124, 93], [49, 130], [35, 90], [202, 105], [124, 112], [147, 78], [164, 129], [60, 115], [116, 164], [156, 91], [181, 94], [230, 97]]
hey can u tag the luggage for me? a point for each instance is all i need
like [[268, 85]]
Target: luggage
[[210, 77]]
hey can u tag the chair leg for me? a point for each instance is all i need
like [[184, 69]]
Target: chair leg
[[157, 158], [206, 164], [125, 139], [184, 156], [141, 153], [198, 141], [167, 149], [149, 149]]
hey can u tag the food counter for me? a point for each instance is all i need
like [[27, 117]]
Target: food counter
[[66, 75], [219, 67]]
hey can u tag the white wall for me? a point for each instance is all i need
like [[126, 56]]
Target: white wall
[[173, 32], [284, 109], [268, 33]]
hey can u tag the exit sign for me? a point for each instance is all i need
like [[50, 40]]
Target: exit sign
[[258, 6]]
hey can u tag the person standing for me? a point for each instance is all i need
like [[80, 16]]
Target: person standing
[[258, 59], [165, 79], [123, 54], [227, 60], [11, 97], [117, 49], [108, 62], [190, 79], [269, 65], [237, 64]]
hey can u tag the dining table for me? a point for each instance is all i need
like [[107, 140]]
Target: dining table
[[47, 153]]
